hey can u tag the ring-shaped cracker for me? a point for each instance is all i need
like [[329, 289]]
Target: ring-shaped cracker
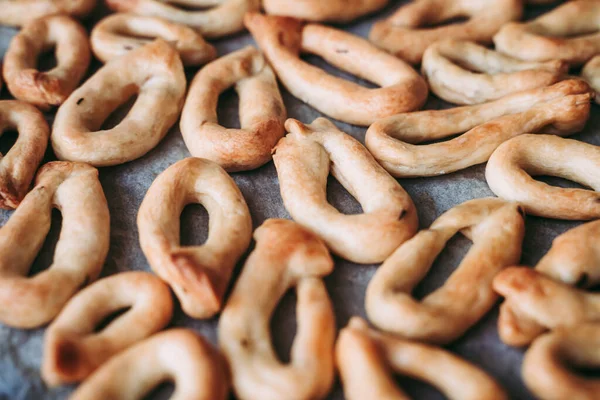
[[155, 74], [462, 72], [199, 275], [81, 249], [72, 51], [18, 166], [407, 33], [510, 170], [496, 229], [222, 18], [262, 112], [305, 158], [283, 39], [196, 368], [318, 10], [366, 360], [73, 348], [118, 34], [395, 142], [21, 12], [286, 256], [591, 73]]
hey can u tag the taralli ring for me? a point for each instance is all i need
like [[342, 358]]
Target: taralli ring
[[511, 168], [262, 112], [118, 34], [463, 72], [51, 88], [318, 10], [395, 142], [18, 13], [73, 349], [18, 166], [199, 275], [155, 74], [304, 159], [225, 17], [82, 247], [406, 35], [496, 229], [591, 73], [196, 368], [286, 256], [283, 39], [366, 360]]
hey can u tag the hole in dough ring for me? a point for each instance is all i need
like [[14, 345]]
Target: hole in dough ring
[[304, 159], [199, 275], [197, 369], [21, 12], [448, 66], [366, 360], [496, 229], [286, 256], [510, 169], [224, 18], [118, 34], [318, 10], [591, 73], [153, 72], [561, 109], [283, 39], [18, 166], [262, 112], [72, 350], [81, 250], [50, 88], [406, 33]]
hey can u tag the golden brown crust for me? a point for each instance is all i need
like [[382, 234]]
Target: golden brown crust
[[318, 10], [21, 12], [591, 73], [282, 40], [262, 112]]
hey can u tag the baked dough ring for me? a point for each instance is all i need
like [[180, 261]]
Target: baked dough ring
[[463, 72], [224, 18], [82, 247], [51, 88], [591, 73], [366, 360], [197, 369], [549, 367], [262, 112], [282, 40], [286, 256], [72, 347], [18, 166], [304, 159], [153, 72], [496, 229], [199, 275], [560, 109], [21, 12], [569, 32], [510, 169], [406, 35], [318, 10], [118, 34]]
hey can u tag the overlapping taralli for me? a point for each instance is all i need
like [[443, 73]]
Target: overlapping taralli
[[560, 109], [21, 12], [18, 166], [283, 39], [496, 229], [199, 275], [118, 34], [155, 74], [73, 348], [304, 159], [366, 360], [591, 73], [222, 18], [180, 356], [406, 33], [50, 88], [318, 10], [511, 168], [82, 247], [286, 256], [262, 112], [463, 72]]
